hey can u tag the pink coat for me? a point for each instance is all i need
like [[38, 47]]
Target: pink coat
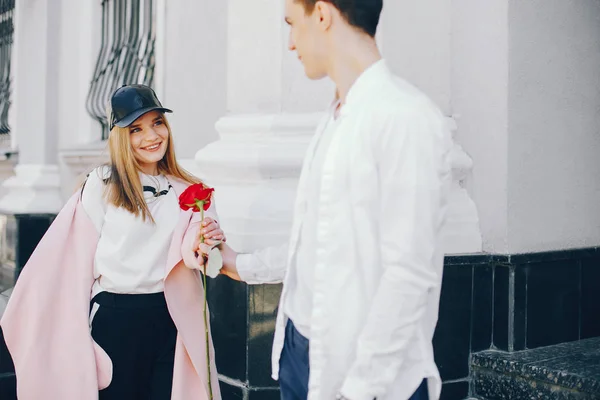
[[46, 322]]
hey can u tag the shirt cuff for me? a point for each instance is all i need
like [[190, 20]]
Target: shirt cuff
[[246, 268]]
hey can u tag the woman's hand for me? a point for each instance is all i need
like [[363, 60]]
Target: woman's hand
[[212, 229], [213, 234]]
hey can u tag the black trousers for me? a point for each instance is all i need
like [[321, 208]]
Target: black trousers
[[294, 368], [137, 332]]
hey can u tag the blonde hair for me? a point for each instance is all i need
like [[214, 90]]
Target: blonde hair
[[124, 188]]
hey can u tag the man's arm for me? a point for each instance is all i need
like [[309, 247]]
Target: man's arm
[[411, 158], [267, 265]]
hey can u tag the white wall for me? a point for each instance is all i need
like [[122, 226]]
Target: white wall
[[417, 51], [38, 55], [80, 30], [78, 133], [300, 94], [554, 125], [521, 79], [194, 71], [254, 67], [417, 42], [479, 104]]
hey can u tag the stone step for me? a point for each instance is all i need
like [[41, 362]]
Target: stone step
[[567, 371]]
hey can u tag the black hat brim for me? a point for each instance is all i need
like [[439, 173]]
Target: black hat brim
[[130, 118]]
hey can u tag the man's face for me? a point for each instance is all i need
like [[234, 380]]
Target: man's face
[[306, 39]]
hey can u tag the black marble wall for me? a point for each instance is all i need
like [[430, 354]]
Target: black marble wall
[[465, 320], [551, 298], [30, 228], [512, 303], [242, 324]]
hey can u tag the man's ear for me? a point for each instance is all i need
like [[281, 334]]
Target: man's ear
[[323, 12]]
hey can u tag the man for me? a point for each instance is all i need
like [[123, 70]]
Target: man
[[363, 268]]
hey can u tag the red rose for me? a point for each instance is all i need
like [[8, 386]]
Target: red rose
[[196, 196]]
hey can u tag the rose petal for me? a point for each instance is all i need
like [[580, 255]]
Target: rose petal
[[214, 263], [199, 192]]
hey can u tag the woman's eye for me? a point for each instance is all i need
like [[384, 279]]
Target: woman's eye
[[158, 123], [134, 130]]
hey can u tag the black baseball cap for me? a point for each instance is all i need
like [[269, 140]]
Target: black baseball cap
[[130, 102]]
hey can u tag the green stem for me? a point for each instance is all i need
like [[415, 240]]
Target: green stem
[[200, 205], [206, 336]]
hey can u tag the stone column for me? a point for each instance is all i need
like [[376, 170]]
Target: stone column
[[33, 194], [191, 70], [35, 189]]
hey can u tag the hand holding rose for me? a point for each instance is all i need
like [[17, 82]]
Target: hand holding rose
[[212, 233]]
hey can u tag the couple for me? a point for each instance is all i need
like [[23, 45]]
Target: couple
[[362, 271]]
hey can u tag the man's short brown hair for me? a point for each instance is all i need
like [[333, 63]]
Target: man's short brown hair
[[362, 14]]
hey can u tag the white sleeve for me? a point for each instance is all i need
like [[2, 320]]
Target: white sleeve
[[92, 199], [266, 265]]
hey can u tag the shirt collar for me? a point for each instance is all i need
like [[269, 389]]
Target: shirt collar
[[364, 83]]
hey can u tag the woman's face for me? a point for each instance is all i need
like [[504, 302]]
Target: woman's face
[[149, 138]]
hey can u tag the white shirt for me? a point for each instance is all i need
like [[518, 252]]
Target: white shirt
[[298, 306], [379, 260], [131, 253]]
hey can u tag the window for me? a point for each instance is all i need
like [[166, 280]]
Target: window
[[7, 8], [126, 52]]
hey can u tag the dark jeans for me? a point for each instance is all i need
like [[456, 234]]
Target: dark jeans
[[293, 365], [139, 336], [422, 393], [294, 368]]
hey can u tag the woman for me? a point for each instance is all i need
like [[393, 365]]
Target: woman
[[125, 245]]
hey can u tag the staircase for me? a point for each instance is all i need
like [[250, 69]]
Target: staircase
[[567, 371]]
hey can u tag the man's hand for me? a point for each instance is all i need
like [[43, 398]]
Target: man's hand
[[229, 258]]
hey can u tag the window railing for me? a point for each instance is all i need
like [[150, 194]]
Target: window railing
[[7, 8], [126, 52]]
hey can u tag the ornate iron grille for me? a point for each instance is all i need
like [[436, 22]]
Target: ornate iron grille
[[126, 52], [7, 8]]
